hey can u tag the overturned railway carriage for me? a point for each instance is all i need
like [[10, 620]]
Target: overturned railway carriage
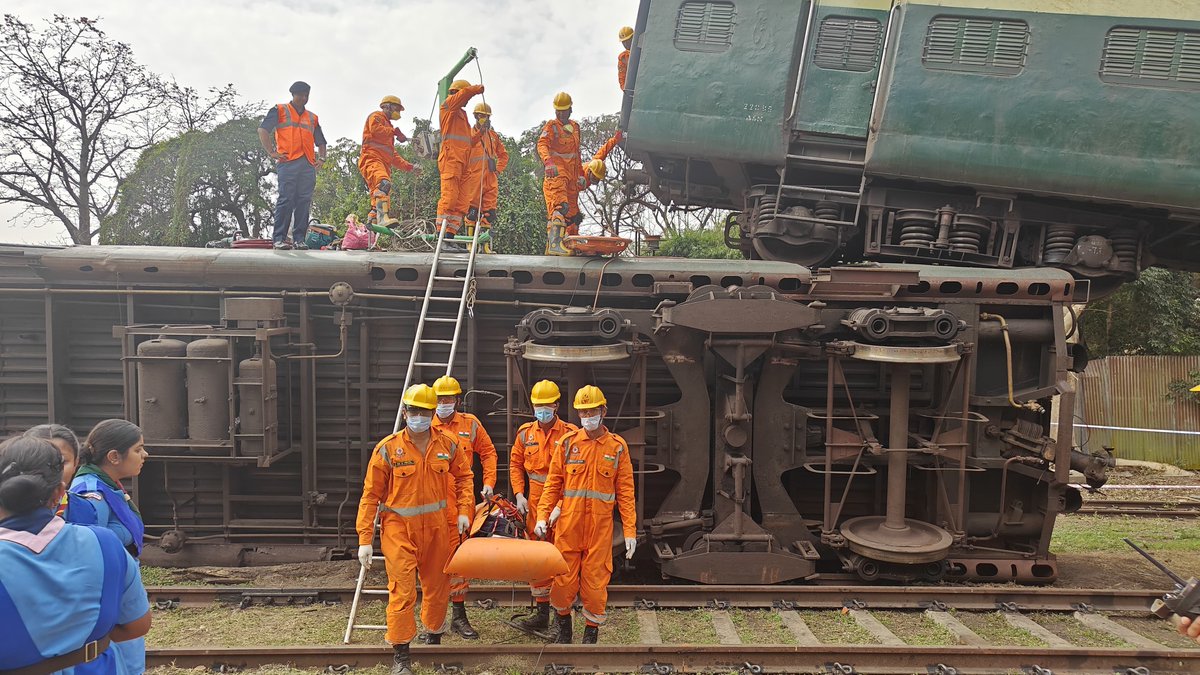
[[998, 134], [890, 421]]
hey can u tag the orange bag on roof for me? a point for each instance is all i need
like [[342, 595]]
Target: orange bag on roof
[[589, 245]]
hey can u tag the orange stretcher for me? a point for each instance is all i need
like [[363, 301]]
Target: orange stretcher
[[499, 550], [589, 245]]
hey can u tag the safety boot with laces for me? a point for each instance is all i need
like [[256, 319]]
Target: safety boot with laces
[[401, 661], [590, 635], [564, 630], [460, 625]]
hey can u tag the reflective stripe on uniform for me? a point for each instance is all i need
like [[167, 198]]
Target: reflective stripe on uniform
[[388, 147], [455, 137], [589, 494], [564, 155], [537, 477], [413, 511], [289, 122]]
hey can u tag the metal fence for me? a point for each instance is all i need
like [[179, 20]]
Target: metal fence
[[1126, 402]]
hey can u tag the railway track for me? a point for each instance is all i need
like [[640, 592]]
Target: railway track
[[1144, 508], [948, 607], [967, 598]]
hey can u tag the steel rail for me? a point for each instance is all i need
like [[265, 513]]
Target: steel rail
[[1141, 508], [977, 598], [668, 659]]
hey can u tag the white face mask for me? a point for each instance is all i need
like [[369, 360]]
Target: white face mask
[[419, 423], [591, 423], [445, 410]]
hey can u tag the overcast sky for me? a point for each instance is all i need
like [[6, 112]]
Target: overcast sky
[[352, 53]]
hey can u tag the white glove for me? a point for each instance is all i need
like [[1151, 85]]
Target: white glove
[[540, 529], [630, 546], [464, 524], [555, 514], [522, 504], [486, 492], [364, 555]]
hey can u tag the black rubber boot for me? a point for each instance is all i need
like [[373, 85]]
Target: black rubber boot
[[433, 638], [564, 630], [590, 635], [460, 625], [401, 663], [540, 620]]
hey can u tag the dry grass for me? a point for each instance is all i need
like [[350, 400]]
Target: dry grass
[[915, 628], [832, 627], [997, 631]]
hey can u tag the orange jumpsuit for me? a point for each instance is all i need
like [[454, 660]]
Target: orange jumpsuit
[[412, 491], [601, 154], [472, 438], [379, 156], [453, 156], [482, 181], [622, 67], [588, 475], [559, 145], [530, 458]]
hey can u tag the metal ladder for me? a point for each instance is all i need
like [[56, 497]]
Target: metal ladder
[[464, 286]]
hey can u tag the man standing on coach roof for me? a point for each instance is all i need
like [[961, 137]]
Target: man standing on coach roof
[[297, 130]]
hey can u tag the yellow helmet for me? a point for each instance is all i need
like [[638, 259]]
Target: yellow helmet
[[483, 109], [459, 84], [395, 100], [596, 168], [589, 397], [625, 34], [562, 101], [447, 386], [420, 396], [544, 392]]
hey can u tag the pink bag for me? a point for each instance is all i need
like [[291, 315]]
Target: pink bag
[[358, 237]]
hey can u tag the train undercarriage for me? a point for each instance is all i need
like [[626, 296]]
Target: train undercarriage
[[887, 421]]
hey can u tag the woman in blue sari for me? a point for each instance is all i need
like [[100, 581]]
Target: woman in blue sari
[[115, 451], [68, 593]]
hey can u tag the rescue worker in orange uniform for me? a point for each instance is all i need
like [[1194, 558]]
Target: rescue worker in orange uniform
[[488, 158], [626, 38], [473, 439], [595, 170], [528, 465], [558, 147], [589, 471], [413, 478], [453, 156], [379, 157]]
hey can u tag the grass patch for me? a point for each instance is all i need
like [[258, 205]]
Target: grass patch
[[1066, 627], [686, 627], [915, 628], [763, 627], [1155, 629], [1087, 534], [993, 628], [832, 627], [621, 628], [227, 627]]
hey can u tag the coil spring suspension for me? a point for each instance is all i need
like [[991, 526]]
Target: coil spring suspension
[[1060, 239], [917, 227], [968, 233], [1125, 248], [764, 214], [828, 211]]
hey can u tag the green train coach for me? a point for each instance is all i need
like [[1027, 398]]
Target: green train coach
[[1002, 133]]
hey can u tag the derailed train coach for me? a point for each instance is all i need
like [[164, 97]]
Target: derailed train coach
[[889, 421], [1000, 134]]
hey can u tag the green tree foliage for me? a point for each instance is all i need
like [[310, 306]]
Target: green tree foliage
[[194, 188], [340, 190], [709, 243], [1157, 314]]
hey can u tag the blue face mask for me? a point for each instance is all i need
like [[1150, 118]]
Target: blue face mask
[[445, 410], [419, 423], [544, 414]]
